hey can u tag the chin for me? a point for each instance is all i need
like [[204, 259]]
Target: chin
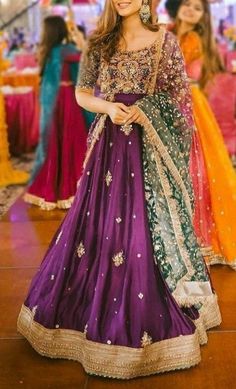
[[188, 20], [124, 12]]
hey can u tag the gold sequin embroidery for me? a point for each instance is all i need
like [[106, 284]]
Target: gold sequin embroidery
[[108, 178], [118, 259], [146, 339], [127, 129], [80, 250]]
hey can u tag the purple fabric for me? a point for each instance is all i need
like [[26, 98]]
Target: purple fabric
[[116, 303]]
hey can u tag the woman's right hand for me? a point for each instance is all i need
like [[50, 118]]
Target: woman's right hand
[[118, 113]]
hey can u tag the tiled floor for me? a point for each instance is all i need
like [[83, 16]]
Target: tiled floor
[[25, 233]]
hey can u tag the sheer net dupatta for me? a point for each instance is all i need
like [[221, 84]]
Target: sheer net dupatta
[[167, 136]]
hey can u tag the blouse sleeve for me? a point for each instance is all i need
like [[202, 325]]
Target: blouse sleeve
[[172, 78], [89, 70], [191, 47]]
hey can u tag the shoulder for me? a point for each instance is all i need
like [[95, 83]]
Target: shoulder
[[92, 54], [170, 44], [170, 39]]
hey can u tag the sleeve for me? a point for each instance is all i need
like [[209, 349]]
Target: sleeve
[[89, 70], [191, 47], [172, 78]]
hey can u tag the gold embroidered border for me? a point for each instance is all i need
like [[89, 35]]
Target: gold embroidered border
[[209, 317], [175, 219], [217, 259], [210, 313], [110, 360], [95, 136], [158, 146], [46, 205], [159, 44], [213, 258]]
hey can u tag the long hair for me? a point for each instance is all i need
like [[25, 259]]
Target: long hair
[[54, 32], [212, 62], [172, 7], [108, 33]]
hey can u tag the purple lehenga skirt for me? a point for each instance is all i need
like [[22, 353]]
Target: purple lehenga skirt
[[98, 296]]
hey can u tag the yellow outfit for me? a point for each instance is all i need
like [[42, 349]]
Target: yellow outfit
[[220, 172], [8, 175]]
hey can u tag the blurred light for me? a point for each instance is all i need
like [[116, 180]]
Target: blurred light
[[4, 2]]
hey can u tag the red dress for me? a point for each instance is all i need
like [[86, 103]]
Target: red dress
[[222, 98], [55, 184]]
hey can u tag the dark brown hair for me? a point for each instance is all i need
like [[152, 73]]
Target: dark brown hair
[[54, 32], [108, 33]]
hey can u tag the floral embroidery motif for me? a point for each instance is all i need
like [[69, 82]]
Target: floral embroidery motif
[[140, 295], [118, 220], [127, 129], [124, 73], [108, 178], [146, 339], [118, 259], [80, 250]]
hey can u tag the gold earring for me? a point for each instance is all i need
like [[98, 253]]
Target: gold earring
[[145, 12]]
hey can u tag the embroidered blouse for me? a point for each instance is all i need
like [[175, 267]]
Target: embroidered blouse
[[156, 68]]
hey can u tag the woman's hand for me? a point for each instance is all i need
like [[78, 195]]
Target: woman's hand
[[77, 36], [118, 113], [134, 116]]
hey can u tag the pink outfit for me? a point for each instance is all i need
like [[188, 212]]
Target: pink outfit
[[222, 99]]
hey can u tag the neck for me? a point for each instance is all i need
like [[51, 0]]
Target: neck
[[184, 28], [131, 26]]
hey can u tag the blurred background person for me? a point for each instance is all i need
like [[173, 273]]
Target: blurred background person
[[63, 130], [194, 32], [172, 7]]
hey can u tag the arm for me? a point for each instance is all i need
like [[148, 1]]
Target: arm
[[117, 111], [89, 73], [87, 100]]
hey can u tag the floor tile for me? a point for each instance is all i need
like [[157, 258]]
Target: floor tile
[[22, 367]]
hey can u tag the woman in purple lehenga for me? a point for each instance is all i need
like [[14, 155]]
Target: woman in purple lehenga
[[123, 287]]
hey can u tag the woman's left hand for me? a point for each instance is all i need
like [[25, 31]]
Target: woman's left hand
[[134, 116], [76, 36]]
